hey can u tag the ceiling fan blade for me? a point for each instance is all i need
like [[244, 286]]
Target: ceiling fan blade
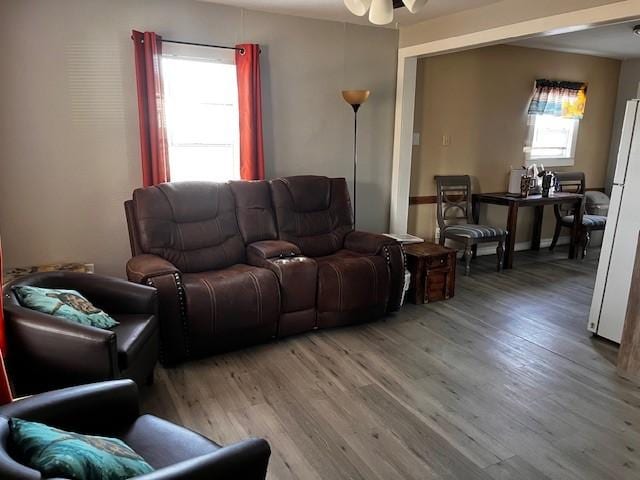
[[358, 7], [381, 12], [415, 6]]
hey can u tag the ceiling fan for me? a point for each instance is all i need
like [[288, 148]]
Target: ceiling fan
[[381, 11]]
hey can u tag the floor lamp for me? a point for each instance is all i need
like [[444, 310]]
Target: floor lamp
[[355, 98]]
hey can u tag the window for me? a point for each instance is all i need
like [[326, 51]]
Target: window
[[552, 140], [201, 105]]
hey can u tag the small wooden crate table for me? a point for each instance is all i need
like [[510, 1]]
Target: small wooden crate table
[[433, 272]]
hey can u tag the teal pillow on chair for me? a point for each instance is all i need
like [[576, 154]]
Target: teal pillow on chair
[[67, 304], [59, 454]]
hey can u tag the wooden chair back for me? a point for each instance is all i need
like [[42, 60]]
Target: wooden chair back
[[569, 182], [453, 199]]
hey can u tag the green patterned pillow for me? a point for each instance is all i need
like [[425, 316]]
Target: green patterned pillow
[[67, 304], [59, 454]]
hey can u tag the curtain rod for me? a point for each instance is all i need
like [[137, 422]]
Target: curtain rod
[[241, 50]]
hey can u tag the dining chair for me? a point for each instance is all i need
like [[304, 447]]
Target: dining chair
[[574, 182], [455, 218]]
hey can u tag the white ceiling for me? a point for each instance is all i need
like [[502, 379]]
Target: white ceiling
[[613, 41], [335, 9]]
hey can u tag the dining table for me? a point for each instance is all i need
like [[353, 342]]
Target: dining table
[[514, 202]]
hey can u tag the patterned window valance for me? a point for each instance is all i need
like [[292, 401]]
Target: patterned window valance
[[559, 99]]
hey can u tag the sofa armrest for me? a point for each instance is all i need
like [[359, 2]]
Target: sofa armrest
[[162, 275], [365, 242], [272, 249], [94, 408], [42, 346], [393, 253], [246, 460], [143, 267]]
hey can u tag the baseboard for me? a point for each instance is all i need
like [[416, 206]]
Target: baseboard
[[490, 248]]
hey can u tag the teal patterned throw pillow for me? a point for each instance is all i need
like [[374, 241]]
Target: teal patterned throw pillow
[[67, 304], [59, 454]]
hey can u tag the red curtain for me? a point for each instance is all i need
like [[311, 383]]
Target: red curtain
[[5, 389], [250, 107], [153, 138]]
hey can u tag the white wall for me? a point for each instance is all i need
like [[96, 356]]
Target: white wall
[[628, 88], [69, 153]]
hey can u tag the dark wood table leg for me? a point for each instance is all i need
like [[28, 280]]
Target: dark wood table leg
[[475, 210], [537, 227], [512, 222], [576, 230]]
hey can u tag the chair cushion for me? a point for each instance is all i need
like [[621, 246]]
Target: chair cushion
[[67, 304], [591, 221], [474, 231], [59, 454], [163, 443], [349, 281], [234, 303], [131, 335]]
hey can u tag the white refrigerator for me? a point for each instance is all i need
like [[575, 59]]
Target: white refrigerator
[[620, 241]]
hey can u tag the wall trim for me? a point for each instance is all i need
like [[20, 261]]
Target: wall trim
[[406, 83]]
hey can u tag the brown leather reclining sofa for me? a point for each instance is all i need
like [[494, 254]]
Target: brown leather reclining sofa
[[243, 262]]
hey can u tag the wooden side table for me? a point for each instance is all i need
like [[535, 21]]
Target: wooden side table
[[433, 272]]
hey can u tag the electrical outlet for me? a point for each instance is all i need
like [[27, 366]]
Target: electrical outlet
[[416, 138], [446, 140]]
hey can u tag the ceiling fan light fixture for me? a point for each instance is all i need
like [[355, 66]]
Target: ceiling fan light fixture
[[358, 7], [381, 12], [414, 6]]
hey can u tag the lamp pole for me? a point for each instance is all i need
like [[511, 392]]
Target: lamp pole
[[355, 98], [356, 107]]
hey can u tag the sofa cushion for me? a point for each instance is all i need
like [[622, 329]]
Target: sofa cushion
[[348, 281], [162, 443], [191, 224], [312, 212], [132, 334], [57, 453], [228, 305], [254, 210]]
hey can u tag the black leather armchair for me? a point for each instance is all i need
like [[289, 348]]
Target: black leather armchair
[[111, 409], [47, 352]]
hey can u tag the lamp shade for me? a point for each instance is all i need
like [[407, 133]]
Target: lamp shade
[[355, 97], [358, 7], [414, 6], [381, 12]]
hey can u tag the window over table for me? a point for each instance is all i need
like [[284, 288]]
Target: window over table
[[201, 108], [555, 111], [552, 140]]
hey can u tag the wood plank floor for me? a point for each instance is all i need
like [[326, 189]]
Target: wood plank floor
[[501, 382]]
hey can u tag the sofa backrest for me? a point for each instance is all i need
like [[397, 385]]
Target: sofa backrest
[[312, 212], [254, 210], [191, 224]]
